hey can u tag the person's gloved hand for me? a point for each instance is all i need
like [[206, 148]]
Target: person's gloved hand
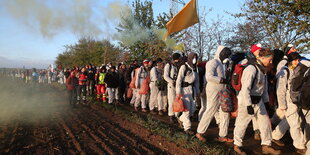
[[224, 81], [250, 110]]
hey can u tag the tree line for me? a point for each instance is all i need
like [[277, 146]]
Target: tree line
[[275, 24]]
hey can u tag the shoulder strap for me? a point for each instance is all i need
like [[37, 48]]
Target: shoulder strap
[[254, 77], [169, 70], [186, 69], [288, 75], [288, 72], [307, 72]]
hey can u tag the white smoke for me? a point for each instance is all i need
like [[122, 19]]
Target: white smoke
[[81, 17], [85, 18]]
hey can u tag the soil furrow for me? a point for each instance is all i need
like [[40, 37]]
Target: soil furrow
[[126, 133], [118, 137], [75, 142], [107, 141]]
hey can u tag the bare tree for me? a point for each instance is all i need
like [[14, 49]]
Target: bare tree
[[204, 37]]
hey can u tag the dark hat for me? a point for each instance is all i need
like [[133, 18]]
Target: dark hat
[[113, 67], [293, 56], [176, 56], [159, 60]]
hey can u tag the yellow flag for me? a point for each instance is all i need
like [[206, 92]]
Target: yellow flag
[[184, 19]]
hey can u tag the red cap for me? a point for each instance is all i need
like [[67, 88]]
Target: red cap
[[256, 47], [145, 61]]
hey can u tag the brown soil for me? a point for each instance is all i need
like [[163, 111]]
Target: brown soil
[[93, 130], [81, 130]]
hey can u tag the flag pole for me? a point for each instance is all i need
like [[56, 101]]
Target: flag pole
[[197, 7], [200, 54]]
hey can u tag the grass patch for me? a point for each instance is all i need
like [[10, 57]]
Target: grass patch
[[157, 127], [175, 135]]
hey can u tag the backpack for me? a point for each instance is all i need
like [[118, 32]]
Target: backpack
[[226, 100], [300, 91], [237, 74], [161, 83], [177, 72], [186, 72]]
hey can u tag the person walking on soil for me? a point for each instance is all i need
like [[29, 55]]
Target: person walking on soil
[[82, 76], [289, 109], [252, 56], [215, 75], [122, 83], [72, 82], [251, 103], [132, 85], [187, 88], [141, 76], [101, 87], [91, 80], [156, 96], [170, 75], [112, 82]]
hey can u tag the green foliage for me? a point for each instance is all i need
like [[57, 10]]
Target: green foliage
[[148, 50], [88, 51], [163, 19], [138, 33], [282, 21], [143, 13]]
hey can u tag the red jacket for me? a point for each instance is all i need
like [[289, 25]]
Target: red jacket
[[71, 82], [82, 79]]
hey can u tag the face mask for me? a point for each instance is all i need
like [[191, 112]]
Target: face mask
[[225, 53], [194, 61], [225, 60]]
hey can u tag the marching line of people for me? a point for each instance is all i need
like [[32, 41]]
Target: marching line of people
[[267, 87]]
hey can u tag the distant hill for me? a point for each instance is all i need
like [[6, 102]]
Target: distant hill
[[21, 62]]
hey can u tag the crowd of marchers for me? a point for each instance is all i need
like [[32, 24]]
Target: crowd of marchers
[[269, 88]]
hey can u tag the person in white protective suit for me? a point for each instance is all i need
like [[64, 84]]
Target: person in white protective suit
[[141, 76], [170, 75], [297, 83], [290, 109], [215, 75], [252, 57], [251, 99], [187, 87], [134, 90], [156, 95]]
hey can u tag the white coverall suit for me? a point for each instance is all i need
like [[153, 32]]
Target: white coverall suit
[[307, 116], [203, 99], [215, 71], [134, 91], [188, 93], [170, 75], [260, 113], [254, 120], [156, 97], [141, 76], [279, 114], [291, 111]]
